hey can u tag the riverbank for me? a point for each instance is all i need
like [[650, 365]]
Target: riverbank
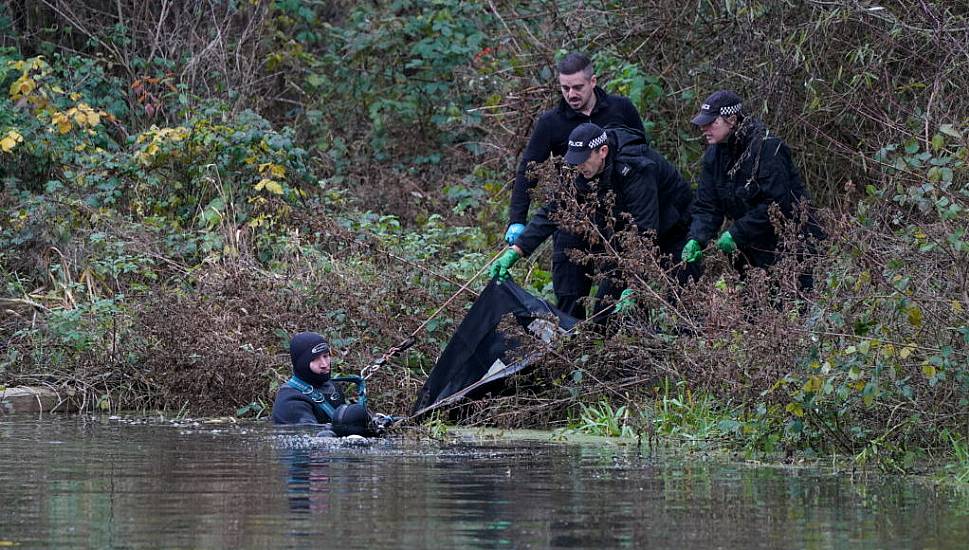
[[172, 213]]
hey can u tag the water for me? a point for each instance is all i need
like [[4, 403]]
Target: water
[[103, 483]]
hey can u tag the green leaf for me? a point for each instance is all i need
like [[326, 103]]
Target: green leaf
[[950, 131], [729, 425]]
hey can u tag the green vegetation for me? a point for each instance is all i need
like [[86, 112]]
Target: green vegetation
[[183, 185]]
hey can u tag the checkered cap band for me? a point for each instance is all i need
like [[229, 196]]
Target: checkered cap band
[[731, 110], [597, 142]]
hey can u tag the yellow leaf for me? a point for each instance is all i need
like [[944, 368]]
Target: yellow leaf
[[795, 408], [269, 185], [888, 350], [813, 384], [274, 187], [85, 115], [79, 116], [9, 141], [956, 306], [62, 121], [274, 170], [257, 221], [21, 87], [906, 351], [915, 316], [928, 370]]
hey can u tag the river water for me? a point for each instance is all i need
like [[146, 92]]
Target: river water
[[99, 482]]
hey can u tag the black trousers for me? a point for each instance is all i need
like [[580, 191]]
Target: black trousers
[[572, 282]]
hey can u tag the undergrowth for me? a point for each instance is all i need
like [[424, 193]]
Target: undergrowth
[[183, 188]]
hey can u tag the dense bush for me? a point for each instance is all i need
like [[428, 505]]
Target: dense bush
[[185, 183]]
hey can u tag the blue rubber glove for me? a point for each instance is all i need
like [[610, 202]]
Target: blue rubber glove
[[514, 230], [726, 243], [692, 251], [626, 301], [501, 269]]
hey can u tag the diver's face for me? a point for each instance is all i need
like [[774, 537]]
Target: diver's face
[[321, 365]]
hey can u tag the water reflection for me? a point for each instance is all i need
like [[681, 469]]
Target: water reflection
[[308, 485], [97, 483]]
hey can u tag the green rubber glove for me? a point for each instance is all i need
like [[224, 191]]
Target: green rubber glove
[[726, 243], [692, 251], [501, 269], [626, 301]]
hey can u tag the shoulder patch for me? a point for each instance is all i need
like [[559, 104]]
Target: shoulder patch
[[624, 169]]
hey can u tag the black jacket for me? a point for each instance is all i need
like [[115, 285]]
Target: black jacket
[[741, 178], [645, 184], [551, 137], [292, 407]]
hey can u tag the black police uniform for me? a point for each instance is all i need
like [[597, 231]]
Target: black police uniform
[[551, 137], [740, 180], [646, 186]]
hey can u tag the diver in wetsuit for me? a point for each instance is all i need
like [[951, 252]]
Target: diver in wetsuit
[[310, 397]]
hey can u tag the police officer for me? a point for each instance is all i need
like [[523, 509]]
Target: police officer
[[745, 171], [582, 101], [644, 185]]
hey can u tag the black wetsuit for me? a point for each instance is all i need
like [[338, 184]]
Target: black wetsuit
[[293, 407], [551, 137]]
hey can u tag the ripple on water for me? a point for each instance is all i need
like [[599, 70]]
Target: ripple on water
[[98, 482]]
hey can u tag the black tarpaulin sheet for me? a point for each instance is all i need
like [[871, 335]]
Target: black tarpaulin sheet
[[477, 351]]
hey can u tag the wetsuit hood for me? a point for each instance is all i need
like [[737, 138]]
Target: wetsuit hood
[[303, 348]]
